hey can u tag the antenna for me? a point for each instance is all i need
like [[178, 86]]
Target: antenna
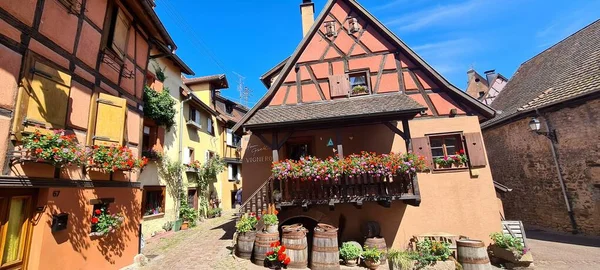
[[243, 91]]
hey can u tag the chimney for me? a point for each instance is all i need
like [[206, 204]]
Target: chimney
[[307, 11], [489, 74]]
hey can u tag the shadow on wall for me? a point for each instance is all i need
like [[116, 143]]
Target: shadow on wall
[[76, 202]]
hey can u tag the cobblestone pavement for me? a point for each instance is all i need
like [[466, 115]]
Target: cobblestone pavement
[[563, 251]]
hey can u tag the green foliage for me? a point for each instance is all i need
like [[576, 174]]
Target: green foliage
[[186, 212], [402, 260], [372, 254], [270, 219], [359, 89], [430, 251], [168, 226], [508, 242], [246, 223], [214, 212], [56, 148], [160, 72], [349, 251], [159, 107], [104, 222]]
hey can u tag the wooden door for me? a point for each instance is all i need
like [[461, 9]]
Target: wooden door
[[15, 227]]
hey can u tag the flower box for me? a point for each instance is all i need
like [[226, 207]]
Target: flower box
[[509, 256]]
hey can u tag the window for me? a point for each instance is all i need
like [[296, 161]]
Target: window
[[97, 206], [233, 172], [107, 120], [119, 28], [299, 147], [446, 151], [146, 138], [154, 200], [45, 100], [208, 155], [359, 83], [209, 125], [194, 118], [15, 228], [229, 108], [188, 155]]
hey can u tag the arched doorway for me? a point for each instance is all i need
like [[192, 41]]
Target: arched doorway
[[308, 223]]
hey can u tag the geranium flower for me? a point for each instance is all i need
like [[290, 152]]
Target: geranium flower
[[287, 261], [282, 249], [98, 212], [94, 220], [281, 257]]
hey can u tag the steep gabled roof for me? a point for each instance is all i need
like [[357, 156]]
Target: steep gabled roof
[[480, 107], [219, 81], [277, 68], [568, 70]]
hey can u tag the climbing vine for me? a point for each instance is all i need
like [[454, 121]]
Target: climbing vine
[[159, 106]]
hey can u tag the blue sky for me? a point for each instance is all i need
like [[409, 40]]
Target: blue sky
[[249, 37]]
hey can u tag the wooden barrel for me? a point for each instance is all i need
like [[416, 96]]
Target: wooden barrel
[[378, 243], [296, 247], [370, 229], [262, 245], [245, 244], [472, 254], [325, 254]]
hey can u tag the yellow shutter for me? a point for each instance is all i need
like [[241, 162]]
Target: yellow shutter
[[109, 124], [43, 100]]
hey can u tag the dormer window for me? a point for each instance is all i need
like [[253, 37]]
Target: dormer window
[[330, 29], [229, 108], [359, 83], [354, 26]]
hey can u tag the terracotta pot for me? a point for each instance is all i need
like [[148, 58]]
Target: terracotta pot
[[185, 225], [371, 264]]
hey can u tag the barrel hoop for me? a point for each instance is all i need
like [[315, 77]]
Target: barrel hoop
[[323, 263], [295, 247], [324, 235], [293, 236], [469, 244], [473, 260], [325, 249]]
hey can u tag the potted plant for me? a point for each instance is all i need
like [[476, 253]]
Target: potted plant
[[276, 258], [214, 212], [188, 214], [401, 260], [56, 148], [359, 90], [372, 257], [509, 248], [433, 254], [350, 252], [246, 234], [271, 223]]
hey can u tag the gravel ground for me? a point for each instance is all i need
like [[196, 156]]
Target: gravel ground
[[209, 246]]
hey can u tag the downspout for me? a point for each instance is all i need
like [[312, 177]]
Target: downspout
[[553, 141], [180, 180]]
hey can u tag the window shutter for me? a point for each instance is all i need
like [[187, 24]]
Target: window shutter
[[475, 149], [230, 171], [110, 120], [229, 137], [119, 42], [186, 156], [421, 148], [209, 123], [339, 85]]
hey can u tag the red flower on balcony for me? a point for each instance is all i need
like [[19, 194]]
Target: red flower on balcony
[[94, 220]]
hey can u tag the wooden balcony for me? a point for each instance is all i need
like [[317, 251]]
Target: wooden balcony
[[346, 189]]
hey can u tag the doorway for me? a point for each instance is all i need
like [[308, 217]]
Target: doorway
[[16, 209]]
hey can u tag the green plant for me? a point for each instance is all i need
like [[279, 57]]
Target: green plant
[[159, 107], [509, 242], [246, 223], [403, 260], [430, 251], [168, 226], [372, 254], [349, 251], [112, 158], [277, 256], [359, 89], [151, 154], [160, 72], [104, 222], [187, 213], [56, 148], [270, 219], [213, 212]]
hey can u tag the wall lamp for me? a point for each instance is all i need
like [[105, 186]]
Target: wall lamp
[[535, 125]]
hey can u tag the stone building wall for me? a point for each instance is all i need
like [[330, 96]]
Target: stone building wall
[[522, 160]]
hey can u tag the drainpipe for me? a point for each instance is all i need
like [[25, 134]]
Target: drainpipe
[[553, 141], [180, 180]]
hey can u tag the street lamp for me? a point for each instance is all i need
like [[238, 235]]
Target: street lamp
[[535, 125]]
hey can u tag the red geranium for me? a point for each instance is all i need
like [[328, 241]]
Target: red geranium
[[282, 249], [98, 212], [281, 257], [94, 220], [287, 261]]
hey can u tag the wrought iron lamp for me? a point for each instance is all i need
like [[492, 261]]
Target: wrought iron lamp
[[535, 125]]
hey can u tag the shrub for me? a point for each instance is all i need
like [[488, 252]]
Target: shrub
[[350, 251], [159, 107], [372, 254], [214, 212], [270, 219], [168, 226], [508, 242], [430, 251], [246, 223]]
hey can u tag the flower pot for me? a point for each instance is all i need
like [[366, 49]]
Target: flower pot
[[371, 264], [272, 228], [185, 225], [272, 265], [351, 263], [509, 256], [177, 225]]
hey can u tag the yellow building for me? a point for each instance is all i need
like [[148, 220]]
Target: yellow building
[[226, 144]]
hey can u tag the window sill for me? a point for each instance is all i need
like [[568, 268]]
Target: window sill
[[159, 215], [449, 170], [233, 180], [193, 124], [359, 94]]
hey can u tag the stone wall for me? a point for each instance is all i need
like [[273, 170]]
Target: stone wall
[[522, 160]]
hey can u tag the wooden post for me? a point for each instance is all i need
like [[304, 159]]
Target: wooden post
[[275, 147], [407, 139]]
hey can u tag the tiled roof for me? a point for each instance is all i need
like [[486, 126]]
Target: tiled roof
[[221, 79], [348, 108], [565, 71]]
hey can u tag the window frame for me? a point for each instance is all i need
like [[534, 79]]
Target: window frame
[[231, 176], [194, 117], [148, 189], [460, 145], [307, 140], [110, 25], [354, 73]]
